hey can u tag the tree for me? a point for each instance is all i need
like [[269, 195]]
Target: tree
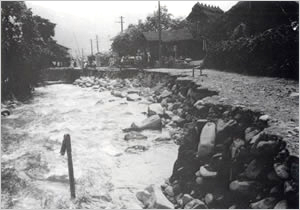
[[166, 21], [26, 48], [129, 42], [132, 39]]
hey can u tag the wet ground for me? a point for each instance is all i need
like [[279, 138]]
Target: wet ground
[[35, 175]]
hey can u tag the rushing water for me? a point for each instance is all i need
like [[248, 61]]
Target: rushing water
[[106, 176]]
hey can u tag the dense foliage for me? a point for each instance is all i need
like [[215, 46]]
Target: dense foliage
[[253, 17], [258, 38], [27, 46], [274, 52]]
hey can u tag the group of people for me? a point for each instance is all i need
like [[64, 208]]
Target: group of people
[[141, 60]]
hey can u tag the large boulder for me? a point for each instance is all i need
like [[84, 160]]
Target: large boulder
[[207, 140], [154, 109]]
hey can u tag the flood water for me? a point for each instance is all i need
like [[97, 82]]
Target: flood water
[[106, 175]]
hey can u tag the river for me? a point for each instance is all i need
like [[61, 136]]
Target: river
[[106, 175]]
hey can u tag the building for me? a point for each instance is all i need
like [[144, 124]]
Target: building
[[175, 43], [202, 16], [61, 56]]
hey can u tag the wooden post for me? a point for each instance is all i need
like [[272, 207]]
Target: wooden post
[[66, 145], [193, 71]]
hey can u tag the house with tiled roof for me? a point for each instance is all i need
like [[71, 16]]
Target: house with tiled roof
[[175, 43]]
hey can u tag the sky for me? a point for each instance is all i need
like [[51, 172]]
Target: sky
[[80, 21]]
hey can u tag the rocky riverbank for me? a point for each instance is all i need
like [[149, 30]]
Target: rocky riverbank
[[227, 158]]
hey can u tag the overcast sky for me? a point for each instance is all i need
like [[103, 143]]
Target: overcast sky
[[79, 21]]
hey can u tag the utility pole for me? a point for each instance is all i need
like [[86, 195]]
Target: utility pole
[[122, 21], [159, 36], [97, 43], [92, 47], [82, 58]]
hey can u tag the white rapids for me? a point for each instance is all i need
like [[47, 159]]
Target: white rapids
[[106, 176]]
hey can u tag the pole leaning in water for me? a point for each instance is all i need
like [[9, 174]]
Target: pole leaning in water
[[66, 145]]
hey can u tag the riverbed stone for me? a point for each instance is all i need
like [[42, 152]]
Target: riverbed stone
[[266, 203], [195, 204], [281, 170], [250, 132], [205, 173], [199, 180], [270, 147], [243, 187], [133, 135], [178, 120], [133, 97], [258, 137], [272, 176], [216, 161], [264, 118], [254, 169], [208, 198], [164, 102], [136, 149], [152, 198], [118, 93], [185, 199], [176, 189], [133, 91], [289, 187], [281, 205], [164, 137], [235, 146], [154, 109], [5, 112], [153, 123], [165, 94], [276, 190], [294, 167], [169, 191]]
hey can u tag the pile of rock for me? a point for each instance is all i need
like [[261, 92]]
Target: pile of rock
[[122, 88], [227, 158]]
